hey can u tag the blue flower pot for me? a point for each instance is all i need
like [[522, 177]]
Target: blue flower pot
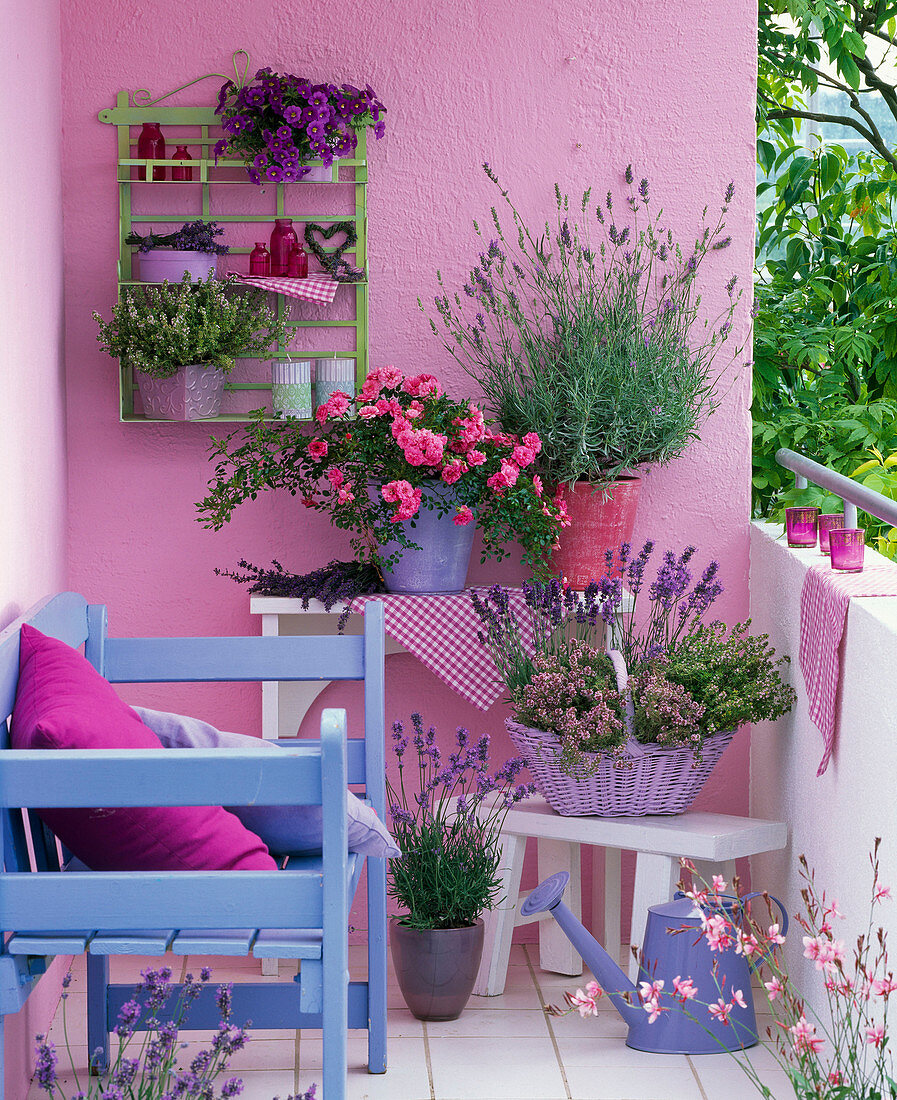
[[441, 563]]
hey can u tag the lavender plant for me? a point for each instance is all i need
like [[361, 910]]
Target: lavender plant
[[602, 347], [147, 1068], [198, 236], [447, 822]]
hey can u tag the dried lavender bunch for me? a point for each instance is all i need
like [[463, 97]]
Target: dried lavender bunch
[[334, 583], [198, 236]]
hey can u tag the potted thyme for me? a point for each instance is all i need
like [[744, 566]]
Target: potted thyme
[[637, 731], [181, 339], [590, 331], [167, 257], [447, 821]]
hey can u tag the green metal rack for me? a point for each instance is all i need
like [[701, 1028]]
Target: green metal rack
[[198, 127]]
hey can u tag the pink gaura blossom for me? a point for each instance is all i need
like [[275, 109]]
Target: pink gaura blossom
[[462, 517], [774, 935], [804, 1037], [719, 884], [717, 932], [720, 1011], [317, 448], [774, 988], [684, 988], [654, 1008], [882, 892], [648, 990], [826, 953], [835, 1078], [586, 1001], [738, 998], [747, 944], [884, 987], [875, 1036]]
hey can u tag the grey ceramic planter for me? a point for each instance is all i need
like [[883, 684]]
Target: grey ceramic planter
[[436, 968], [194, 393]]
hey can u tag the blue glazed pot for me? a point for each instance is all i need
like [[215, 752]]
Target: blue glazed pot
[[441, 563]]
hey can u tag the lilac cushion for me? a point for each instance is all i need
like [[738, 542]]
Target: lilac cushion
[[62, 702], [287, 830]]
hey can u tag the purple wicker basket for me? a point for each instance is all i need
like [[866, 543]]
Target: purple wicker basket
[[659, 781]]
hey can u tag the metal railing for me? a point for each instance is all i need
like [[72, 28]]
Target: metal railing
[[853, 494]]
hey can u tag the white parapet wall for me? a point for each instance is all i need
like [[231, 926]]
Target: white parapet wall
[[835, 817]]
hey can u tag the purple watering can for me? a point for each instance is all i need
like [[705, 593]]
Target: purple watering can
[[670, 953]]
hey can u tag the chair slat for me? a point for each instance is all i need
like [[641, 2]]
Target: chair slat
[[294, 943], [136, 942], [214, 941], [48, 943]]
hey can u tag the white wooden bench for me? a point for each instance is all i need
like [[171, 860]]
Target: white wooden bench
[[712, 841]]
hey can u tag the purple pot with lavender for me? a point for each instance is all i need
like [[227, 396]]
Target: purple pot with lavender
[[191, 251]]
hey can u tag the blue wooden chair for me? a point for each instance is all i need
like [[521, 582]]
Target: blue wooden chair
[[300, 912]]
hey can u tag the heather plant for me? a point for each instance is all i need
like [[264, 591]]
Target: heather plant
[[148, 1068], [278, 122], [159, 329], [665, 713], [592, 332], [198, 236], [375, 460], [447, 818]]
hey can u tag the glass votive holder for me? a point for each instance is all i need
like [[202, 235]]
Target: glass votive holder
[[846, 545], [332, 375], [800, 526], [291, 388], [828, 523]]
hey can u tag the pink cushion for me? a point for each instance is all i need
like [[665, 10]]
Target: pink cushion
[[63, 703]]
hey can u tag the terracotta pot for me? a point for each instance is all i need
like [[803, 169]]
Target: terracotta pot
[[436, 967], [598, 522]]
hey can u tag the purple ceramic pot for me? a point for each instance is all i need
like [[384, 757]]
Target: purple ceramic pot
[[436, 967], [169, 264], [193, 393]]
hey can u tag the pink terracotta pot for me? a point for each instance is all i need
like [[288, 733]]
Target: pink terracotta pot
[[598, 522]]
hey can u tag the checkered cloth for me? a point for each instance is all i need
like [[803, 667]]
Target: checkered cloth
[[441, 631], [824, 600], [318, 287]]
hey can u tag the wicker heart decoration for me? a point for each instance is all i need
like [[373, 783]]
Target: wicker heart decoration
[[332, 261]]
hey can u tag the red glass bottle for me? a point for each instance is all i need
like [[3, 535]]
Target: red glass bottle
[[151, 146], [298, 268], [283, 240], [179, 172], [260, 260]]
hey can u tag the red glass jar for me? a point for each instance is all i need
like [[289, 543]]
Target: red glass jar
[[298, 267], [151, 146], [283, 241], [260, 260], [180, 172]]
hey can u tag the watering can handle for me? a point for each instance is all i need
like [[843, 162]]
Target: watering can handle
[[633, 748], [784, 920]]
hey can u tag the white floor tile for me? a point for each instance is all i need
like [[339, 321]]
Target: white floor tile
[[598, 1051], [491, 1024], [406, 1077], [258, 1054], [266, 1084], [661, 1082], [486, 1069], [524, 996]]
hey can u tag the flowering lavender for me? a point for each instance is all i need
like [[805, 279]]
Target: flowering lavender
[[198, 236], [447, 821], [150, 1071]]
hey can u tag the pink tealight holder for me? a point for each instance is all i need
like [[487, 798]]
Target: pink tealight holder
[[800, 526], [827, 523], [846, 545]]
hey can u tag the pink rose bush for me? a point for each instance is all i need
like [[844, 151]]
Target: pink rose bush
[[373, 461], [842, 1054]]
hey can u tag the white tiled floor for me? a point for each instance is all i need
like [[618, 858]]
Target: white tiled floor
[[501, 1048]]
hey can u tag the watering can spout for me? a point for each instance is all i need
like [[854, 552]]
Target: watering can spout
[[547, 898]]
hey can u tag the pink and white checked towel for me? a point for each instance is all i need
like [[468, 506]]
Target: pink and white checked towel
[[441, 631], [824, 599], [318, 287]]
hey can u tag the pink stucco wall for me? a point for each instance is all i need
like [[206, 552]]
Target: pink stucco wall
[[566, 90], [32, 432]]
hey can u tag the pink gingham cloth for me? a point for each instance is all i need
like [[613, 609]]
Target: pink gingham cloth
[[824, 599], [441, 632], [318, 287]]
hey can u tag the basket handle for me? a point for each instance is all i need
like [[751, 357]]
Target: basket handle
[[632, 747]]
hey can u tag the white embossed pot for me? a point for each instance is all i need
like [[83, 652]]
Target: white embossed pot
[[193, 393]]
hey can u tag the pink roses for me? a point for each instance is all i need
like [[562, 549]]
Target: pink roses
[[403, 494]]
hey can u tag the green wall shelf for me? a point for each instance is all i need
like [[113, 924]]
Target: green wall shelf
[[212, 197]]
